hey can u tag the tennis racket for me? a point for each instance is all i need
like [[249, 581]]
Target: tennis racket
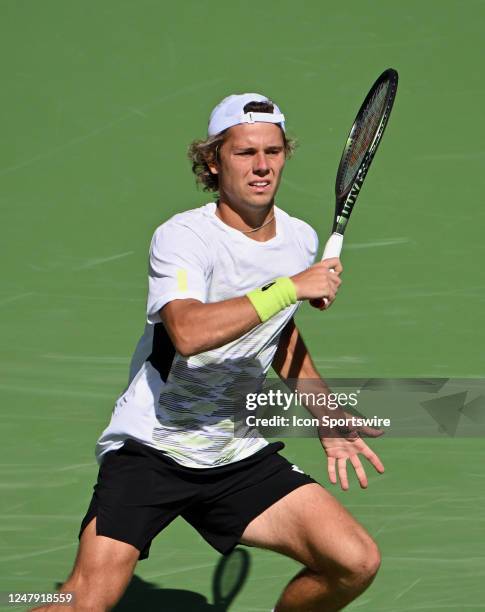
[[229, 577], [357, 156]]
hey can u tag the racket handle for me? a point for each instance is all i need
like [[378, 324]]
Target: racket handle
[[333, 248]]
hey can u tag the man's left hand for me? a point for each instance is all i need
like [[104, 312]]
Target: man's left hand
[[341, 449]]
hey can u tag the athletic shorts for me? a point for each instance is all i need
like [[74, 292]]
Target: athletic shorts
[[140, 490]]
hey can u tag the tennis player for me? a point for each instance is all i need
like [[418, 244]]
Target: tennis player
[[225, 281]]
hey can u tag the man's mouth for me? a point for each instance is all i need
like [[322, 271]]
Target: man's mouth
[[260, 185]]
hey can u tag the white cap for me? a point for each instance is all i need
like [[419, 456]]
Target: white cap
[[230, 112]]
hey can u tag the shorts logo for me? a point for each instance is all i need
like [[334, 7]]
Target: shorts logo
[[295, 468]]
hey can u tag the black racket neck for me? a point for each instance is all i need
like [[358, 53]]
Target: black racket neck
[[345, 207]]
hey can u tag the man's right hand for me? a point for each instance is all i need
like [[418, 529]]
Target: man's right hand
[[321, 280]]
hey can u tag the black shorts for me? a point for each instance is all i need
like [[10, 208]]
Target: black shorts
[[140, 490]]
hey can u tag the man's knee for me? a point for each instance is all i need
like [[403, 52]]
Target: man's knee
[[358, 567], [99, 584], [91, 593], [366, 560], [361, 566], [88, 596]]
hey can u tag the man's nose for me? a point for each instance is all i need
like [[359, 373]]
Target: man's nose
[[261, 166]]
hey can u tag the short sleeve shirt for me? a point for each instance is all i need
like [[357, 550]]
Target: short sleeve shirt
[[188, 406]]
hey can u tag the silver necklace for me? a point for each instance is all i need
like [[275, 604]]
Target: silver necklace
[[257, 228]]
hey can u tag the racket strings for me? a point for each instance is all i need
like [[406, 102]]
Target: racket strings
[[230, 576], [362, 135]]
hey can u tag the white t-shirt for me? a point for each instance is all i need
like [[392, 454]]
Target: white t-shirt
[[186, 406]]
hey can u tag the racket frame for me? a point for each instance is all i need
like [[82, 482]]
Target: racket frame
[[344, 202]]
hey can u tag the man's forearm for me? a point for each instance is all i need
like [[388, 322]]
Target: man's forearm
[[317, 397], [195, 327], [295, 367]]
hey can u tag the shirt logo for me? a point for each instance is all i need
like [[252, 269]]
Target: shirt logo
[[295, 468]]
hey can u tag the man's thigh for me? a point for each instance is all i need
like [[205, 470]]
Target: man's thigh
[[102, 571], [312, 527], [103, 559]]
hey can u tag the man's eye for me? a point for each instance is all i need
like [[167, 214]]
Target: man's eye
[[244, 153]]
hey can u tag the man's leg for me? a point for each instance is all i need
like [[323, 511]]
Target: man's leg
[[102, 571], [311, 526]]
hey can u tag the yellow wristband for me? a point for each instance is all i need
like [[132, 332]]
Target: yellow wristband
[[273, 297]]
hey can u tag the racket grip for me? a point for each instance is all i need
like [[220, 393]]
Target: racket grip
[[333, 248]]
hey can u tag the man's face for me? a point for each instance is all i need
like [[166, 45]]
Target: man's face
[[251, 162]]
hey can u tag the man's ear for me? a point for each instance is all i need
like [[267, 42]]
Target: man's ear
[[213, 166]]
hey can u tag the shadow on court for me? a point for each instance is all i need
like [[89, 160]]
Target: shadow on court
[[228, 579], [147, 596]]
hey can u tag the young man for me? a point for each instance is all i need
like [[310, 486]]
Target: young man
[[225, 281]]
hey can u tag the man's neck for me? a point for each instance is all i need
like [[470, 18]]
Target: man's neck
[[260, 225]]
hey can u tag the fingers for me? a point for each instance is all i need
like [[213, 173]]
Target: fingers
[[334, 282], [322, 280], [342, 472], [332, 475], [359, 470], [373, 459], [337, 455], [358, 467], [334, 277], [334, 264], [330, 295]]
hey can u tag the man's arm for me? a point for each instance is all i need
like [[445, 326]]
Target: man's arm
[[293, 364], [195, 327]]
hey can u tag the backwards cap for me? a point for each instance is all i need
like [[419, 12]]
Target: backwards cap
[[230, 112]]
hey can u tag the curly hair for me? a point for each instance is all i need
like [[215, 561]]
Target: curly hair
[[205, 151]]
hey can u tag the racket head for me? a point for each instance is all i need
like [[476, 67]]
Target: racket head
[[229, 577], [362, 143]]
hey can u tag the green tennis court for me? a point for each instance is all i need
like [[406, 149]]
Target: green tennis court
[[99, 102]]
